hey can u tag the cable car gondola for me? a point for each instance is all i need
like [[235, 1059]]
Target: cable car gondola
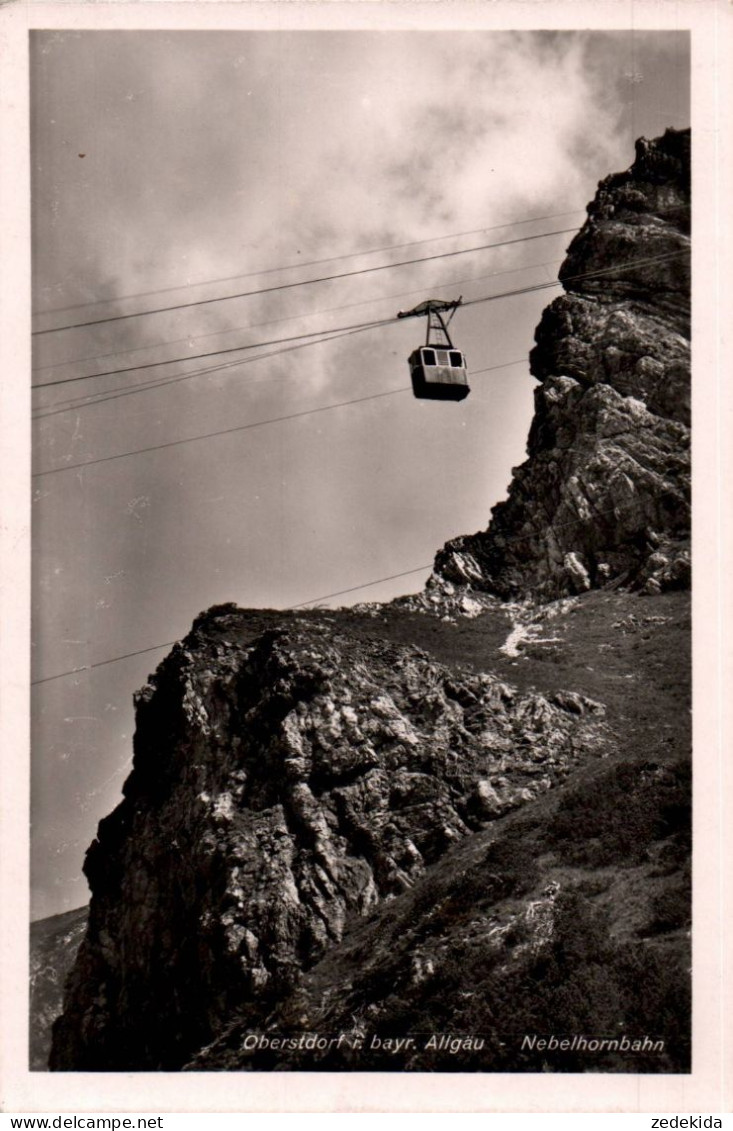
[[438, 370]]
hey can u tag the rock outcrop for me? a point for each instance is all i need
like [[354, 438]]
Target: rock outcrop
[[517, 932], [278, 790], [604, 495], [53, 946]]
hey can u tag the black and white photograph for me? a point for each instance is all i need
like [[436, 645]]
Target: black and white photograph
[[360, 515]]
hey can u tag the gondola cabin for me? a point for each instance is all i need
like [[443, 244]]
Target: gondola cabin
[[438, 370], [439, 374]]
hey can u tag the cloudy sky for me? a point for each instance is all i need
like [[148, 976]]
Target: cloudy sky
[[173, 168]]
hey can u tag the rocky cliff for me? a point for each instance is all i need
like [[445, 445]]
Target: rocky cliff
[[348, 836], [605, 492], [53, 946], [280, 787]]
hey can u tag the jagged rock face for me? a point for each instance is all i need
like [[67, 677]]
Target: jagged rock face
[[53, 946], [508, 936], [279, 791], [605, 493]]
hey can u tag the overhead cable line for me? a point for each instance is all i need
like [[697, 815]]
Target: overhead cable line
[[92, 399], [172, 643], [303, 282], [144, 387], [325, 408], [67, 404], [504, 365], [130, 390], [310, 262], [292, 317], [364, 325], [215, 353], [221, 432], [342, 592], [103, 663], [356, 588], [602, 271]]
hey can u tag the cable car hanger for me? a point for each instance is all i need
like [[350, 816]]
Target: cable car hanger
[[438, 370]]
